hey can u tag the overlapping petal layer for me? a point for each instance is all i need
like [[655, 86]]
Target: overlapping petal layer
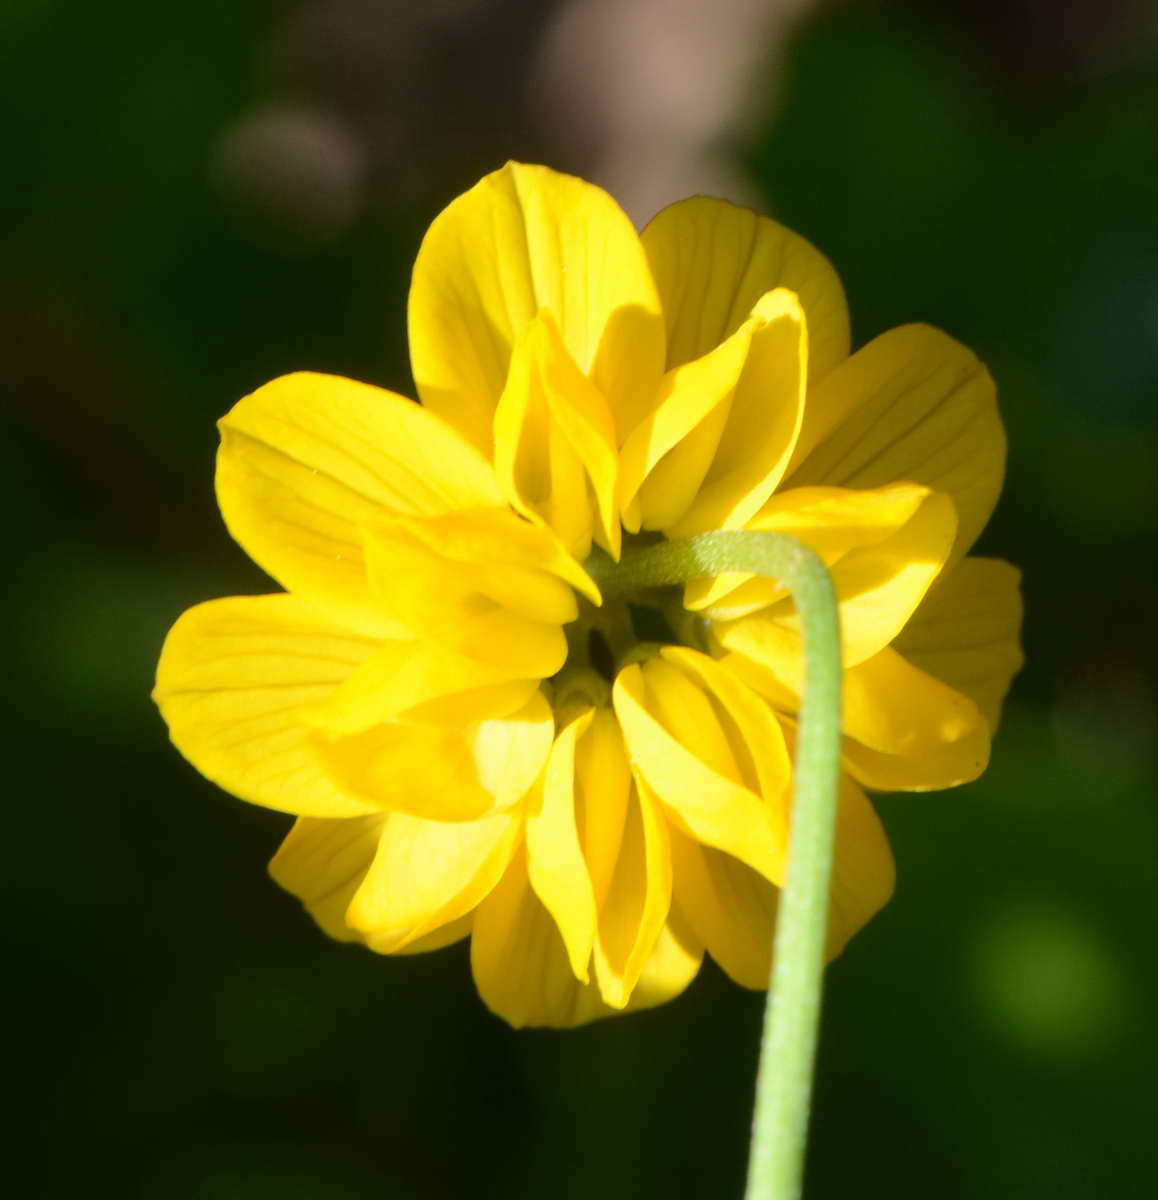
[[308, 458], [522, 240], [522, 972], [426, 697], [911, 405], [555, 442], [459, 770], [713, 260], [723, 430]]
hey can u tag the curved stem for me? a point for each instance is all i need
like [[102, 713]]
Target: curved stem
[[792, 1011]]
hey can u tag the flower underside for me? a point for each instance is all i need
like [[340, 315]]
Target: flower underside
[[482, 729]]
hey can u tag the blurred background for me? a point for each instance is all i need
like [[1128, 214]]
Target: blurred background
[[202, 196]]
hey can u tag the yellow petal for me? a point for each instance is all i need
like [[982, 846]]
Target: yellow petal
[[307, 458], [234, 680], [408, 676], [966, 632], [638, 901], [522, 970], [323, 861], [911, 405], [878, 587], [557, 867], [755, 740], [763, 423], [672, 965], [427, 874], [431, 574], [676, 735], [907, 731], [730, 908], [624, 844], [863, 871], [523, 239], [555, 443], [721, 436], [603, 791], [904, 730], [667, 455], [831, 521], [437, 939], [733, 911], [519, 961], [713, 260], [444, 772]]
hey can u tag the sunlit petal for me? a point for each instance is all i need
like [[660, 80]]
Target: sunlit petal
[[912, 405], [444, 771], [307, 458], [713, 260], [965, 633], [555, 443], [234, 681], [557, 866], [525, 239]]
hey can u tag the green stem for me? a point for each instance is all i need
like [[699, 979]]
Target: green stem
[[792, 1011]]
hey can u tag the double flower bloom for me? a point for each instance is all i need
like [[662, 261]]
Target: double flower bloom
[[475, 742]]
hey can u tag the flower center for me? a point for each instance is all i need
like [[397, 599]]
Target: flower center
[[605, 638]]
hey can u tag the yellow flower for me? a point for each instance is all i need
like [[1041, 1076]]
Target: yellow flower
[[473, 742]]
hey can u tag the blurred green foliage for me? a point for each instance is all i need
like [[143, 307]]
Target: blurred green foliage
[[181, 1032]]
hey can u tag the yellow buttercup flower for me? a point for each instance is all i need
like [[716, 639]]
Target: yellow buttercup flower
[[473, 741]]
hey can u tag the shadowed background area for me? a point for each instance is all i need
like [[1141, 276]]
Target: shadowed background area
[[203, 196]]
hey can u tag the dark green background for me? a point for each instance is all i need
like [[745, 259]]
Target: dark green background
[[178, 1029]]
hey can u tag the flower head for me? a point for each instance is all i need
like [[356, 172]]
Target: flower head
[[474, 741]]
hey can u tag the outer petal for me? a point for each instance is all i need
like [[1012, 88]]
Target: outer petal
[[323, 862], [680, 747], [724, 430], [863, 871], [437, 939], [903, 729], [908, 731], [523, 239], [555, 443], [234, 680], [522, 971], [966, 632], [893, 707], [427, 874], [731, 909], [444, 772], [519, 962], [306, 458], [672, 965], [558, 870], [713, 260], [911, 405]]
